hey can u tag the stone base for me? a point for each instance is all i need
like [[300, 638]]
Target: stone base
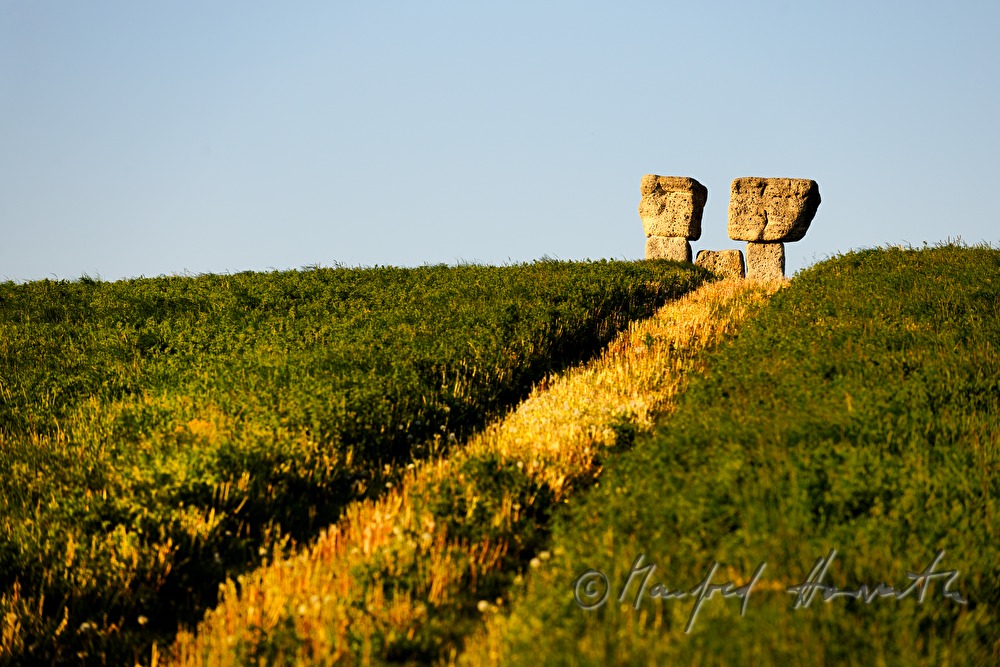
[[725, 263], [668, 247], [765, 261]]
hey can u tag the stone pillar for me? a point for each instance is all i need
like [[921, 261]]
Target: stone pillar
[[767, 213], [670, 209], [668, 247], [765, 261]]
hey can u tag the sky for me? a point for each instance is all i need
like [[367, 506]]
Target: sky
[[171, 138]]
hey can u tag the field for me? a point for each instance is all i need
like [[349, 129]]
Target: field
[[160, 435], [859, 413], [436, 466], [407, 577]]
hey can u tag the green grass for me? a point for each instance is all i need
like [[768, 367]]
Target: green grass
[[407, 577], [158, 435], [860, 411]]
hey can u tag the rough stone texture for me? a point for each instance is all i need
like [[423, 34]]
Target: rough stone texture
[[771, 209], [726, 263], [765, 261], [668, 247], [672, 206]]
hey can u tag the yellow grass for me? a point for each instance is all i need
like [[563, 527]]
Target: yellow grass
[[329, 603]]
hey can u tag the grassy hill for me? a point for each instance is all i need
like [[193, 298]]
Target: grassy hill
[[407, 577], [185, 437], [159, 435], [858, 414]]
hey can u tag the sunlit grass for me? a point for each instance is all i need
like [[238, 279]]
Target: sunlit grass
[[858, 412], [409, 575], [159, 435]]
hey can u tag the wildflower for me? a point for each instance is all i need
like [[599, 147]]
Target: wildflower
[[483, 606], [142, 620]]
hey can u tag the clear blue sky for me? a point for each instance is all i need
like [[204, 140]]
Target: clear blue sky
[[148, 138]]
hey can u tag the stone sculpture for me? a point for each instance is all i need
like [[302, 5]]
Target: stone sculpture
[[767, 213], [670, 209], [764, 212]]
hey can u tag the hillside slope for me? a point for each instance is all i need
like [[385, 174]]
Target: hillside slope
[[406, 577], [158, 435], [855, 420]]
